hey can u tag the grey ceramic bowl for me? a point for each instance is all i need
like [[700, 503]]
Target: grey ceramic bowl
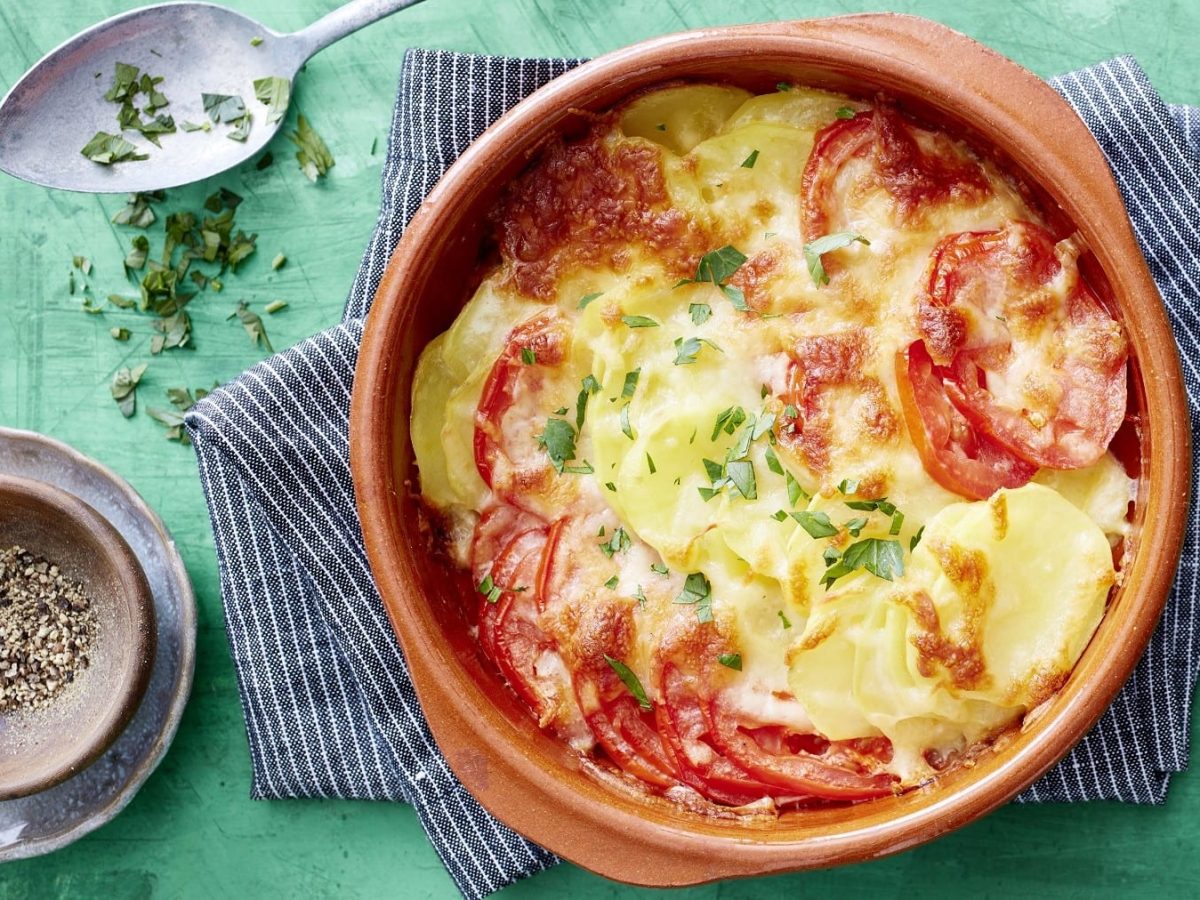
[[43, 747]]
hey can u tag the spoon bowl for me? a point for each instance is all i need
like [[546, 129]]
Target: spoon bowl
[[57, 107]]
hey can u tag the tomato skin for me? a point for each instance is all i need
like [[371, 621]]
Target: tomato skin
[[912, 175], [620, 726], [546, 335], [953, 452], [986, 292], [511, 564], [798, 772]]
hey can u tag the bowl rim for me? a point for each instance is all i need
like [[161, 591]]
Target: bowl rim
[[618, 837], [135, 596]]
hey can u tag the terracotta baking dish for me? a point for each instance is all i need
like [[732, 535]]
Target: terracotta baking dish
[[527, 779]]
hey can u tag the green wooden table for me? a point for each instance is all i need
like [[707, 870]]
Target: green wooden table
[[193, 831]]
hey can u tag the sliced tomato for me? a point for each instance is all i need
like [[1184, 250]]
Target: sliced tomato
[[495, 528], [510, 474], [685, 730], [623, 728], [914, 174], [1002, 308], [953, 452], [511, 565], [801, 772]]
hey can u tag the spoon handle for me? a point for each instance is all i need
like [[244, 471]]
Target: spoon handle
[[343, 21]]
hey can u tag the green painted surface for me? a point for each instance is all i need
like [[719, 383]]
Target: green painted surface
[[192, 831]]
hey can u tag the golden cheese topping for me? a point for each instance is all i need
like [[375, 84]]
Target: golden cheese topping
[[775, 440]]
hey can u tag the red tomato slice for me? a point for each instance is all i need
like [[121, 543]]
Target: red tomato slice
[[1002, 307], [506, 572], [913, 172], [622, 728], [493, 531], [684, 729], [952, 451], [508, 474], [799, 772]]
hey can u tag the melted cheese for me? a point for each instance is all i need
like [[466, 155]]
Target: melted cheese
[[984, 622]]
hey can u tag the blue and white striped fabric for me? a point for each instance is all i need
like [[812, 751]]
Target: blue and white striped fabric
[[329, 709]]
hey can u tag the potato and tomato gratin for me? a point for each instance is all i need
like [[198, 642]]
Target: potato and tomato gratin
[[775, 438]]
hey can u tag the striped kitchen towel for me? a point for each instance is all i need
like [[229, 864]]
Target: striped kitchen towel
[[330, 711]]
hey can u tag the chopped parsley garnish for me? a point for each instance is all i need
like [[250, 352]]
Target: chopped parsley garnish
[[588, 386], [883, 559], [700, 312], [783, 86], [278, 262], [631, 381], [558, 439], [275, 306], [790, 412], [640, 596], [816, 249], [661, 126], [686, 350], [844, 112], [855, 526], [915, 539], [741, 474], [612, 487], [749, 161], [773, 462], [717, 267], [626, 428], [528, 356], [313, 156], [119, 334], [650, 464], [255, 41], [897, 523], [847, 486], [275, 92], [795, 492], [697, 591], [817, 524], [588, 298], [660, 569], [227, 108], [490, 589], [138, 212], [618, 543], [639, 321], [611, 583], [728, 421], [784, 620], [731, 661], [630, 680]]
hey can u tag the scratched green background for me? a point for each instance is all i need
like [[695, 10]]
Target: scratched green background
[[193, 831]]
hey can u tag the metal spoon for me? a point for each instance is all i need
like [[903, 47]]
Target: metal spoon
[[56, 108]]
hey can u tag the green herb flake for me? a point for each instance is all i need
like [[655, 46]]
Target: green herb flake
[[661, 126], [275, 306], [313, 156], [253, 324], [489, 589], [749, 161], [897, 523], [700, 313], [650, 464], [135, 259], [816, 249], [640, 597], [631, 382], [639, 321], [558, 439], [855, 526], [883, 559], [844, 112], [773, 462], [817, 524], [255, 41], [660, 569], [790, 412], [119, 334], [618, 543], [278, 262], [784, 619], [124, 388], [915, 539], [107, 149], [698, 592], [731, 661], [528, 356], [783, 86], [588, 386], [275, 93], [630, 680], [612, 583], [612, 487], [224, 108], [588, 298], [626, 428], [741, 474]]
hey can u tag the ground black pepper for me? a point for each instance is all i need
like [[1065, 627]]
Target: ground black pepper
[[47, 625]]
